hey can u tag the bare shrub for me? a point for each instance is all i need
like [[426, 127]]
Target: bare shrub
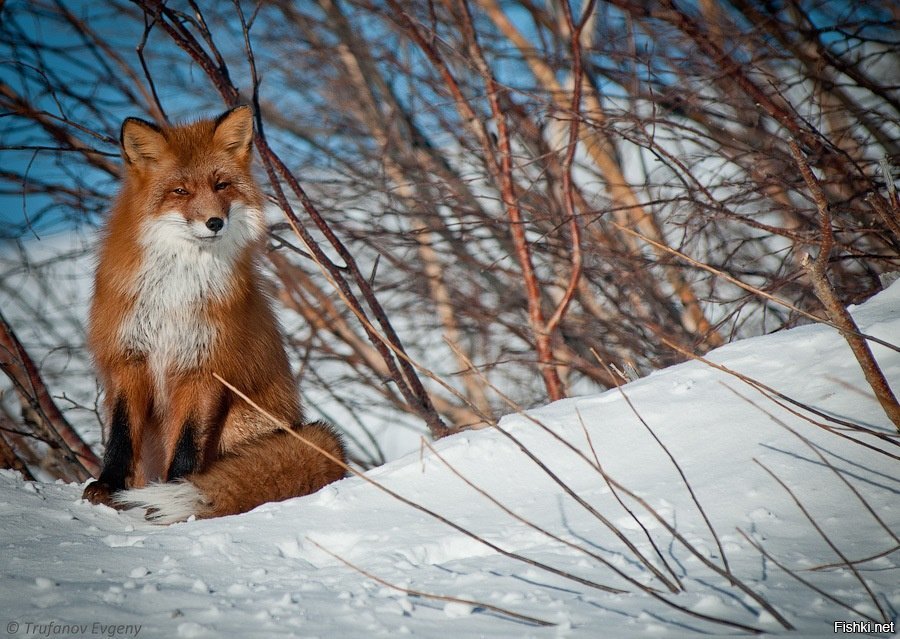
[[514, 185]]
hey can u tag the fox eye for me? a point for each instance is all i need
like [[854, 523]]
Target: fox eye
[[180, 191], [221, 186]]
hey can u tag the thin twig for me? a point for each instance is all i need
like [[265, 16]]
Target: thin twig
[[409, 502], [541, 331], [631, 494], [856, 562], [825, 461], [768, 390], [825, 537], [509, 554], [747, 287], [824, 593], [531, 524], [621, 502], [674, 462], [428, 595]]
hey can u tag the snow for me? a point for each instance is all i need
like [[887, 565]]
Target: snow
[[282, 570]]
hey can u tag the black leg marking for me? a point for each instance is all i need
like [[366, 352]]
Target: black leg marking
[[185, 460], [118, 457]]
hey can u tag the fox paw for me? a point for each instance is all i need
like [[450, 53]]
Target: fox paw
[[100, 493]]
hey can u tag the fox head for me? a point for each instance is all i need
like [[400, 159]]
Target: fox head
[[191, 184]]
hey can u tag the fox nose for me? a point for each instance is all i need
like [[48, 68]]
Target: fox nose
[[215, 224]]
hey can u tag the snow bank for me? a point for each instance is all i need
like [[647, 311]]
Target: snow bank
[[262, 574]]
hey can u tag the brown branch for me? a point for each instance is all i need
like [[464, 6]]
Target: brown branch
[[818, 453], [567, 183], [817, 271], [519, 557], [22, 371], [889, 214], [731, 68], [846, 482], [9, 458], [625, 507], [864, 560], [57, 128], [568, 489], [543, 333], [600, 149], [321, 313]]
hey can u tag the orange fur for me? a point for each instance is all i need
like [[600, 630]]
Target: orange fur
[[279, 455], [178, 296]]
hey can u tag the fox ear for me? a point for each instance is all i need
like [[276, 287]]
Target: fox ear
[[234, 131], [141, 141]]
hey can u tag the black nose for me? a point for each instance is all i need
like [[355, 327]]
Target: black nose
[[215, 224]]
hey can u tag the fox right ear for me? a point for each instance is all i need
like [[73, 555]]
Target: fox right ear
[[141, 141]]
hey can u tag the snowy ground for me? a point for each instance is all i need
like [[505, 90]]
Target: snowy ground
[[94, 572]]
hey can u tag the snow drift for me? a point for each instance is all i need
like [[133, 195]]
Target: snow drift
[[807, 491]]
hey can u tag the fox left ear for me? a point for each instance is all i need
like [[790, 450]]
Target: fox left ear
[[234, 130]]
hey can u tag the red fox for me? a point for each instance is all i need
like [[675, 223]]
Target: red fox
[[178, 296]]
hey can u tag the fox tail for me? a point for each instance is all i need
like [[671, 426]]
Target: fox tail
[[273, 467]]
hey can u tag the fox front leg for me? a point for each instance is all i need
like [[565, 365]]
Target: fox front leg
[[193, 428], [117, 459]]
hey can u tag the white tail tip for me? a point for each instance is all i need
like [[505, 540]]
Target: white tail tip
[[165, 503]]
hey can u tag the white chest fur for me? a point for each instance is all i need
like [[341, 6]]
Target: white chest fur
[[178, 283], [170, 321]]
